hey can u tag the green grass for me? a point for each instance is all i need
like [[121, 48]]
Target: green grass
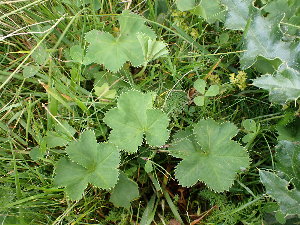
[[62, 90]]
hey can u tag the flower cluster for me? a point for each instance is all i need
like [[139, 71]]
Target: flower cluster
[[239, 79]]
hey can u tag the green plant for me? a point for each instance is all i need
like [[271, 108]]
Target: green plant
[[209, 155], [262, 38], [284, 186], [135, 117], [200, 86], [87, 162], [97, 113], [252, 130], [135, 44], [124, 192]]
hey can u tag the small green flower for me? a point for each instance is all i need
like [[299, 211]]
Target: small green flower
[[239, 79]]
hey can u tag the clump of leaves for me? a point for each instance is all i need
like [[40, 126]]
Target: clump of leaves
[[87, 162], [136, 43], [209, 155], [239, 79], [135, 117], [263, 38]]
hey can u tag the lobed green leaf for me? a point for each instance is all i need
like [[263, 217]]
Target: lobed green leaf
[[112, 51], [283, 87], [135, 117], [263, 38], [125, 191], [89, 162], [209, 155]]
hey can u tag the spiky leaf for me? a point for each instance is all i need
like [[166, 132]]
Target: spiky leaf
[[284, 86], [209, 155], [125, 191], [88, 162], [277, 7], [237, 14], [289, 200], [135, 117], [285, 189], [290, 9], [263, 38], [112, 51]]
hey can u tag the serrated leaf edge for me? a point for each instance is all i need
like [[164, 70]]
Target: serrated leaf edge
[[88, 183], [236, 172], [144, 139], [127, 61]]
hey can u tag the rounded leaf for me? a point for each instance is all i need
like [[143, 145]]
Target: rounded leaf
[[211, 156]]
